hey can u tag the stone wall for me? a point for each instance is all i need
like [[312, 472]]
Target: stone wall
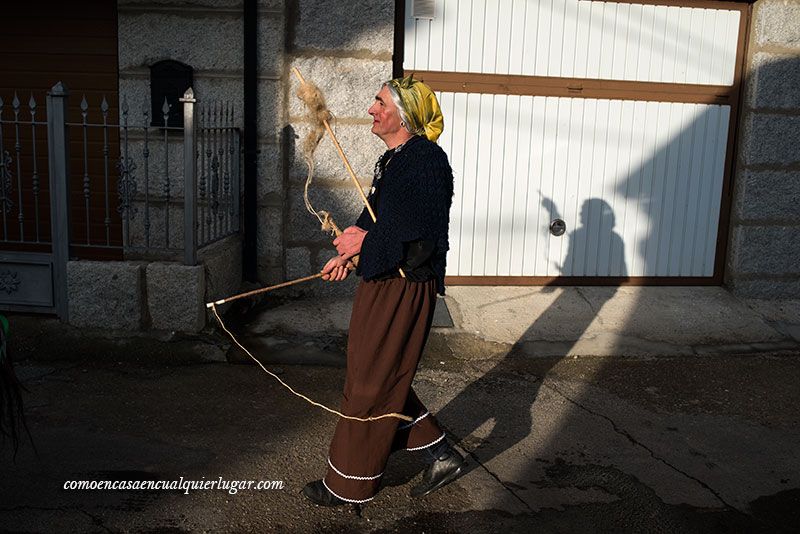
[[106, 294], [764, 247], [140, 295], [208, 36], [347, 53]]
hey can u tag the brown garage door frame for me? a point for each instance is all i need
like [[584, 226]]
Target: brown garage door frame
[[604, 89]]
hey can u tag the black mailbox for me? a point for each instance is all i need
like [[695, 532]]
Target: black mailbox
[[168, 79]]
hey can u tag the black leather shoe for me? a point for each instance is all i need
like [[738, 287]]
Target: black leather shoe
[[441, 472], [317, 493]]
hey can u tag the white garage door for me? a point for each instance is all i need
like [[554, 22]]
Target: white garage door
[[614, 118]]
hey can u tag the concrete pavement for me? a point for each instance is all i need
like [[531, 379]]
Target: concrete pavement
[[584, 321], [581, 410]]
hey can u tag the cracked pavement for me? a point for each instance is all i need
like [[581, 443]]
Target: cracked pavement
[[571, 444]]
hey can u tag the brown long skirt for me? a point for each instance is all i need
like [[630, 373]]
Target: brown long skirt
[[389, 325]]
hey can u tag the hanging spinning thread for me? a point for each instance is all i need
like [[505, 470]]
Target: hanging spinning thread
[[305, 398], [321, 118], [318, 115]]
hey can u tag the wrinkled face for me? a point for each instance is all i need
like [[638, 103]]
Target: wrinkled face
[[385, 115]]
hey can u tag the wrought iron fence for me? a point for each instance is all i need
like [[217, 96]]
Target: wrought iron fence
[[130, 183], [22, 143]]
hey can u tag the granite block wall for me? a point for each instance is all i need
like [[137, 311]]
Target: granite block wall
[[347, 53], [764, 243]]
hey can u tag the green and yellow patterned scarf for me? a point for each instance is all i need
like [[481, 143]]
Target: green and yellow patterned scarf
[[418, 106]]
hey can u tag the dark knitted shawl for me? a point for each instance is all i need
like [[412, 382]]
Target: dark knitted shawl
[[416, 191]]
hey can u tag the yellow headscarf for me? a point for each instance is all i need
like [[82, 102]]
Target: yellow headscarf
[[419, 108]]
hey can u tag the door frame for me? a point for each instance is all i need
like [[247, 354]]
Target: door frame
[[604, 89]]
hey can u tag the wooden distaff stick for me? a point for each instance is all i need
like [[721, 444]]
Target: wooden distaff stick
[[262, 290], [345, 161], [336, 230]]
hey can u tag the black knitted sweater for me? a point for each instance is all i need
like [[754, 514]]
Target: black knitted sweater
[[413, 188]]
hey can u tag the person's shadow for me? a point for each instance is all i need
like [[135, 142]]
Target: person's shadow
[[594, 247], [487, 399]]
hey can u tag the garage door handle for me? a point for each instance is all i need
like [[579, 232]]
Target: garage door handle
[[574, 88], [558, 227]]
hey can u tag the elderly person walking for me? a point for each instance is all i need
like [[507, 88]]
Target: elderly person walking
[[392, 312]]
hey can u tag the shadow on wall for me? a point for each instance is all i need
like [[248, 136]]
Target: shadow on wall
[[597, 223], [469, 411], [482, 418]]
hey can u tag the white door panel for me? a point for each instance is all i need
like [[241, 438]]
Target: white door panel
[[637, 183], [575, 38]]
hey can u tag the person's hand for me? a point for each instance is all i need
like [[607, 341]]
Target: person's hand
[[337, 269], [349, 243]]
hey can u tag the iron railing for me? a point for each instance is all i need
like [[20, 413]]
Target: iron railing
[[20, 184], [159, 174]]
